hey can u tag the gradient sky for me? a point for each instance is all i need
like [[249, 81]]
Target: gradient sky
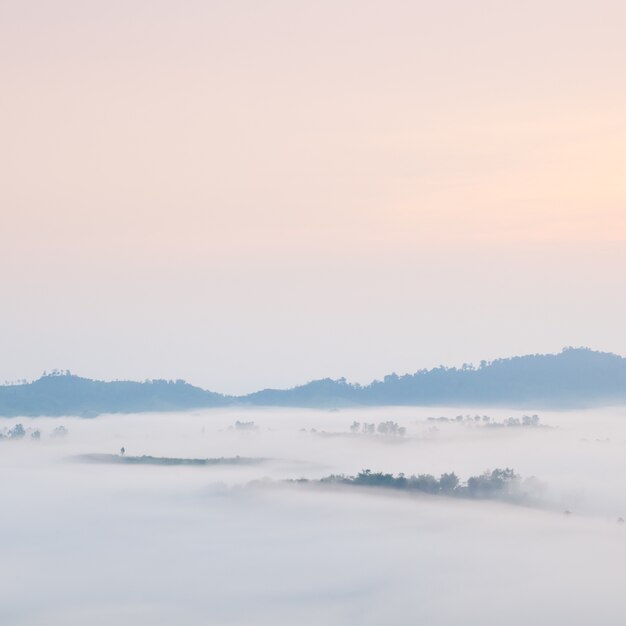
[[249, 194]]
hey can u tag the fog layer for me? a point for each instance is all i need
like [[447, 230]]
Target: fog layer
[[126, 543]]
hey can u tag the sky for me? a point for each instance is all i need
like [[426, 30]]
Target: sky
[[249, 194]]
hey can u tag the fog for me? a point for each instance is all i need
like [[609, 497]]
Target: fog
[[103, 543]]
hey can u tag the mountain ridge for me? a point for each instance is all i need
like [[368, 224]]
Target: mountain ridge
[[574, 377]]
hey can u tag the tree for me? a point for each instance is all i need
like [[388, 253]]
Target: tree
[[59, 431], [448, 482], [17, 432]]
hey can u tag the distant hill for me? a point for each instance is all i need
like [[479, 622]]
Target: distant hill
[[72, 395], [576, 377]]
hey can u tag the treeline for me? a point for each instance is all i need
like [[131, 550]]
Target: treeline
[[485, 420], [502, 484], [17, 432], [388, 428]]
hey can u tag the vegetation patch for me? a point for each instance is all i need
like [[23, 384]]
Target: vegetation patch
[[121, 459]]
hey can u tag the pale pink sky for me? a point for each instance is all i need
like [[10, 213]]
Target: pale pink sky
[[258, 193]]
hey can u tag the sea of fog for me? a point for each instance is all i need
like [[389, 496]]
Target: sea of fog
[[116, 543]]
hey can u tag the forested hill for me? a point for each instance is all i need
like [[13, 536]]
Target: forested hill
[[72, 395], [576, 377]]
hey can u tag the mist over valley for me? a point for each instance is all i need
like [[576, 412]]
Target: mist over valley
[[93, 533]]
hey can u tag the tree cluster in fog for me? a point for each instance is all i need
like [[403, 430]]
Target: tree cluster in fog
[[486, 420], [502, 484], [18, 432], [388, 428], [245, 426], [383, 428]]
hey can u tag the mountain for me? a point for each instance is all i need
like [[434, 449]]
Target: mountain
[[73, 395], [576, 377]]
